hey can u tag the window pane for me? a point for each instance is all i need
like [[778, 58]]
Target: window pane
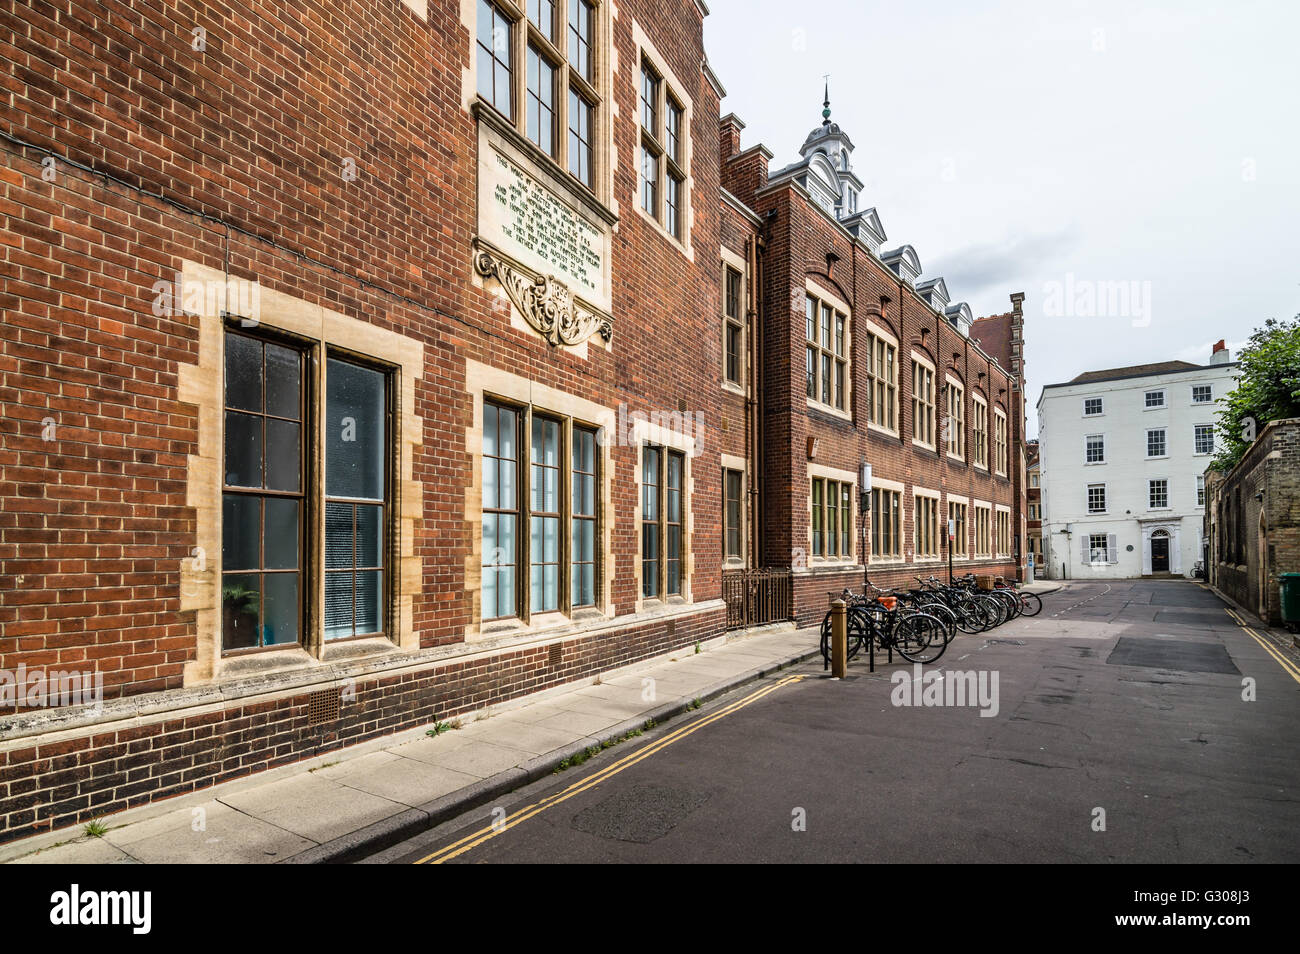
[[370, 535], [541, 101], [240, 610], [580, 138], [284, 455], [542, 13], [243, 372], [338, 605], [354, 431], [280, 612], [580, 20], [283, 381], [281, 534], [370, 602], [338, 535], [243, 450], [240, 532]]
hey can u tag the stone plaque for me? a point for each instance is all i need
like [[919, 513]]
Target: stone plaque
[[530, 223]]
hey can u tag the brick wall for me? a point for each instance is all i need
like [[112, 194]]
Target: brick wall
[[1245, 567]]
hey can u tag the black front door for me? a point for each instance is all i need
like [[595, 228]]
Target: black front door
[[1159, 554]]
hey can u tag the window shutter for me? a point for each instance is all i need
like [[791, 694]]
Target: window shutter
[[1111, 555], [1085, 549]]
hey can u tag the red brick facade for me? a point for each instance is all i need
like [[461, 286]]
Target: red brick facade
[[333, 155]]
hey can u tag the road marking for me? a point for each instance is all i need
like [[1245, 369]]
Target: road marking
[[1081, 602], [456, 848], [1288, 667]]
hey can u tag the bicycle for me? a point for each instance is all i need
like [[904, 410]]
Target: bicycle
[[917, 637]]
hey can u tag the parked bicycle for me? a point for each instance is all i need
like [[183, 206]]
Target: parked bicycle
[[884, 619]]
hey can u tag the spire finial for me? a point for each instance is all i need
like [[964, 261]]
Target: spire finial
[[826, 103]]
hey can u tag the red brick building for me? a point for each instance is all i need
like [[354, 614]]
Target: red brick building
[[860, 365], [362, 366]]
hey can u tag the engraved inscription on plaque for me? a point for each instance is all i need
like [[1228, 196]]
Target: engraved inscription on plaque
[[527, 220]]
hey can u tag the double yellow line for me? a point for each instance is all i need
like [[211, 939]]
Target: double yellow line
[[1291, 669], [522, 815]]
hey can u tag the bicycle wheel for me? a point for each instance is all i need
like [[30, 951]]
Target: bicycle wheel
[[996, 608], [919, 638], [1031, 604], [945, 616], [971, 616]]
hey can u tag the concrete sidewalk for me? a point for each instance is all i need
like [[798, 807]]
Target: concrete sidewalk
[[356, 801]]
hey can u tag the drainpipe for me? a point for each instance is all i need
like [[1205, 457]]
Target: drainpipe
[[754, 410]]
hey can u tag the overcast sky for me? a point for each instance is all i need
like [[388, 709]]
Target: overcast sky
[[1048, 147]]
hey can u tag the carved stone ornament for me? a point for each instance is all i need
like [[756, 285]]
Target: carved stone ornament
[[545, 302]]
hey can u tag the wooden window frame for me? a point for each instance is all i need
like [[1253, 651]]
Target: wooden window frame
[[956, 420], [660, 523], [886, 514], [830, 349], [979, 432], [312, 496], [923, 402], [525, 36], [524, 611], [882, 382]]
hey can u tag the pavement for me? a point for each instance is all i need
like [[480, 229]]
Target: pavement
[[1130, 722], [358, 801]]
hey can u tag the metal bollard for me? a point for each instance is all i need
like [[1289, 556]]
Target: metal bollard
[[839, 640]]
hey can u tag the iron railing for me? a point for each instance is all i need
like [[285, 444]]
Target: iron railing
[[755, 597]]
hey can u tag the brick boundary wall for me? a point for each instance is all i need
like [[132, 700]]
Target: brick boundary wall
[[58, 784]]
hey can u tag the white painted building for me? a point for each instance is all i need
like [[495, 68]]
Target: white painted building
[[1123, 454]]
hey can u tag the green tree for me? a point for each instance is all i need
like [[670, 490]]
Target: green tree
[[1269, 388]]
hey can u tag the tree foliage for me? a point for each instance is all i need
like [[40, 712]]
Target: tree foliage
[[1269, 388]]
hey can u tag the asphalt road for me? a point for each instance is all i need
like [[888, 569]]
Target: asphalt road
[[1120, 735]]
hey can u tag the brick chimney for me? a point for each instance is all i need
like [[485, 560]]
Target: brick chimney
[[729, 127], [1220, 354]]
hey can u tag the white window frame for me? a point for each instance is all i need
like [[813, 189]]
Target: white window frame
[[1196, 451], [1168, 493], [1164, 400], [1102, 410], [1164, 443], [1087, 498], [1208, 387], [1086, 449]]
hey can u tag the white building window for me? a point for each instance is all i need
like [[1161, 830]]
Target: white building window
[[1200, 490], [1154, 399], [1202, 393], [1099, 548], [1092, 407], [1096, 498], [1095, 449], [1158, 494], [1156, 445], [1204, 438]]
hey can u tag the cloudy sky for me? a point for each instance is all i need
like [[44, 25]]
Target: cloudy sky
[[1134, 168]]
